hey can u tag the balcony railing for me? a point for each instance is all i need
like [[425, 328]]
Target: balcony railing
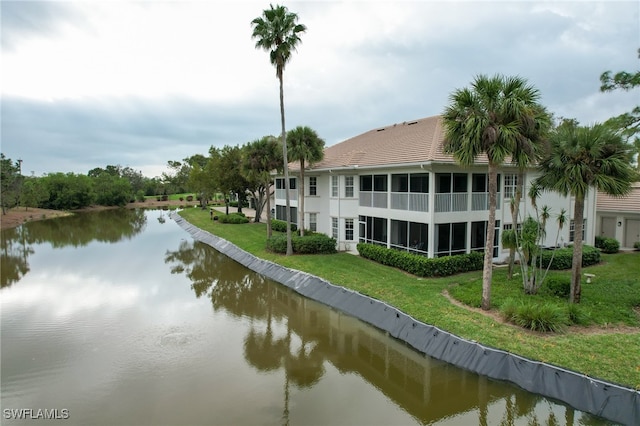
[[373, 199], [447, 202], [480, 201], [281, 194], [418, 202]]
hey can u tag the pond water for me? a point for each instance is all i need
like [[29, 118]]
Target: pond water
[[120, 318]]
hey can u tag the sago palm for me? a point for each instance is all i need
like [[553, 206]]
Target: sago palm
[[304, 146], [582, 158], [501, 118], [278, 33]]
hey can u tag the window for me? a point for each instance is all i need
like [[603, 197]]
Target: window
[[348, 186], [313, 185], [373, 229], [479, 183], [400, 183], [572, 229], [334, 186], [280, 183], [334, 227], [281, 213], [313, 222], [510, 186], [451, 238], [348, 229], [419, 182], [380, 183], [479, 236], [366, 183]]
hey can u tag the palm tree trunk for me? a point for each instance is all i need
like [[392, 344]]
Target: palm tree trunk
[[487, 270], [269, 231], [576, 264], [286, 170], [301, 199], [514, 220]]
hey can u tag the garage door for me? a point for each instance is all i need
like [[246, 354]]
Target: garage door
[[632, 233]]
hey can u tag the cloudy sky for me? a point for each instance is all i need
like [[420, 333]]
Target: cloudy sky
[[94, 83]]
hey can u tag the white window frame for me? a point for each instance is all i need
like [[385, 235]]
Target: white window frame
[[334, 186], [313, 186], [510, 185], [335, 228], [349, 229], [313, 222], [348, 186]]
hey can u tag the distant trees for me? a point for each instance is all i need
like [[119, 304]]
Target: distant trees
[[628, 123], [10, 183]]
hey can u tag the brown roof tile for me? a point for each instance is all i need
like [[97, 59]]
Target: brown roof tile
[[410, 142]]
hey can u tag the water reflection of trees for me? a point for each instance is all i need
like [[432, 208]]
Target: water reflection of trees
[[297, 335], [77, 230]]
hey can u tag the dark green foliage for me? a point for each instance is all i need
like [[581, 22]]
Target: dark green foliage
[[234, 218], [558, 286], [610, 245], [636, 245], [309, 244], [563, 257], [420, 265], [577, 314], [598, 241], [281, 226], [535, 315]]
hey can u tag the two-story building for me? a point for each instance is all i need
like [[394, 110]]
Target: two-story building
[[396, 187]]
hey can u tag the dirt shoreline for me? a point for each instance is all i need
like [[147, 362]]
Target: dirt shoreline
[[19, 215]]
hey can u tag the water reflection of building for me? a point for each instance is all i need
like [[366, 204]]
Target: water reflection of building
[[425, 388]]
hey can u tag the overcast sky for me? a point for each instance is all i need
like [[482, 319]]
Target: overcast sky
[[94, 83]]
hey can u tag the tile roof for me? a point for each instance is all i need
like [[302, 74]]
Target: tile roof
[[410, 142]]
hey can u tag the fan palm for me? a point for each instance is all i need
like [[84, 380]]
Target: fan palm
[[278, 33], [304, 146], [501, 118], [581, 158]]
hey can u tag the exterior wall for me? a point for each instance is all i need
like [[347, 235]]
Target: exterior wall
[[329, 206], [623, 226]]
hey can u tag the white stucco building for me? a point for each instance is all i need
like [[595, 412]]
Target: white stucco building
[[394, 186], [619, 217]]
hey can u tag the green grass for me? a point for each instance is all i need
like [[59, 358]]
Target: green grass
[[609, 299]]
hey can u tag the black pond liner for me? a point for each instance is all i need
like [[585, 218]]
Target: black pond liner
[[597, 397]]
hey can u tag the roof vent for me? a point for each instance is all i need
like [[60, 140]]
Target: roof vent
[[413, 122], [379, 130]]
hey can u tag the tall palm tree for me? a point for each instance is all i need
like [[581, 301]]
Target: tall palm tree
[[501, 118], [582, 158], [304, 145], [278, 33]]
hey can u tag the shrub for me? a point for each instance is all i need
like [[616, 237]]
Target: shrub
[[636, 245], [281, 225], [610, 245], [564, 256], [598, 241], [309, 244], [420, 265], [189, 197], [535, 315], [140, 196], [233, 218], [558, 286]]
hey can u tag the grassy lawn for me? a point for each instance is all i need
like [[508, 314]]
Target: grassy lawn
[[609, 350]]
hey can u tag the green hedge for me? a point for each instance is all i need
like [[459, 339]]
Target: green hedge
[[309, 244], [235, 218], [610, 245], [281, 225], [563, 257], [419, 265]]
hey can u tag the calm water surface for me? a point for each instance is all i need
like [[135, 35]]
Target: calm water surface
[[120, 318]]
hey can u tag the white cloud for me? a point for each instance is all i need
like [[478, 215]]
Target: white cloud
[[132, 82]]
